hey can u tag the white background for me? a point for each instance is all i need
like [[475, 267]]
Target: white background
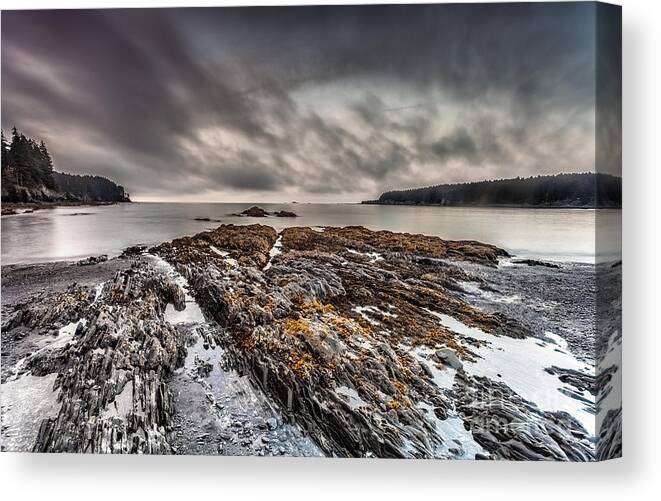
[[51, 477]]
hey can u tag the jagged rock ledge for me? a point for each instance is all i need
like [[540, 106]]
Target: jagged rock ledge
[[338, 327]]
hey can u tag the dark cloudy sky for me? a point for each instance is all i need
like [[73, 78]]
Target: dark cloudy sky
[[304, 103]]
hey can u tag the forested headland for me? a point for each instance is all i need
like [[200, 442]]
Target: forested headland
[[28, 177], [585, 190]]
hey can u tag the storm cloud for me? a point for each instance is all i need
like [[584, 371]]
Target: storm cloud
[[304, 103]]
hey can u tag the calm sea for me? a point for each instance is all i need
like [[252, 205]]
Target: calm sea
[[75, 232]]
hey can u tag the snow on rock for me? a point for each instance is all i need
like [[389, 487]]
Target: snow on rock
[[276, 250], [351, 397], [521, 364], [192, 313]]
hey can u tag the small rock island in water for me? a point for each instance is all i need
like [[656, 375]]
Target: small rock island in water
[[328, 341], [256, 211]]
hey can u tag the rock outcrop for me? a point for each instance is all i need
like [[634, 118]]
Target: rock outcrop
[[254, 211], [339, 328], [285, 213], [515, 429], [113, 373], [330, 327]]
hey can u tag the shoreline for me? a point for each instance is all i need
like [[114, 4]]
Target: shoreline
[[292, 204], [16, 208], [277, 307], [491, 206]]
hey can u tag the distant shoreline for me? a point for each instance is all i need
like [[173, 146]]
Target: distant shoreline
[[491, 206], [576, 191], [369, 202], [14, 208]]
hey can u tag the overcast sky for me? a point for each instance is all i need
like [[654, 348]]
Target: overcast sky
[[304, 103]]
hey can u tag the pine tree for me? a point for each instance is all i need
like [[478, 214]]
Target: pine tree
[[5, 151], [29, 164], [27, 175], [18, 156], [46, 166]]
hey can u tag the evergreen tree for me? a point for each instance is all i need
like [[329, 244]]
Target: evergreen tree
[[571, 190], [46, 166], [5, 151], [27, 171]]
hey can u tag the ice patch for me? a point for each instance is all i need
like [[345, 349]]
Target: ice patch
[[351, 397], [70, 329], [219, 252], [232, 262], [520, 364], [122, 405], [364, 343], [97, 292], [373, 256], [276, 250], [458, 442], [26, 401], [65, 335], [224, 399], [364, 310], [559, 341], [16, 369], [191, 314], [443, 378]]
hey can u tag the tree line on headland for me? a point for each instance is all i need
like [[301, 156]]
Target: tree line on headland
[[585, 190], [28, 177]]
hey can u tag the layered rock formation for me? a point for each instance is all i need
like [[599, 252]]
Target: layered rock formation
[[112, 355], [330, 325], [338, 327]]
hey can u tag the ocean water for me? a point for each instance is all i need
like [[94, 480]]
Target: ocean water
[[68, 233]]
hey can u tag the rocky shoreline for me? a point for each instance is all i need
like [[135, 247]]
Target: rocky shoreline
[[11, 209], [242, 340]]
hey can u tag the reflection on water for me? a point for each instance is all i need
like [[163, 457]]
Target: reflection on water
[[76, 232]]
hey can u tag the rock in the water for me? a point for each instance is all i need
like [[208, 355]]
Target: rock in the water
[[206, 219], [255, 211], [285, 213]]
